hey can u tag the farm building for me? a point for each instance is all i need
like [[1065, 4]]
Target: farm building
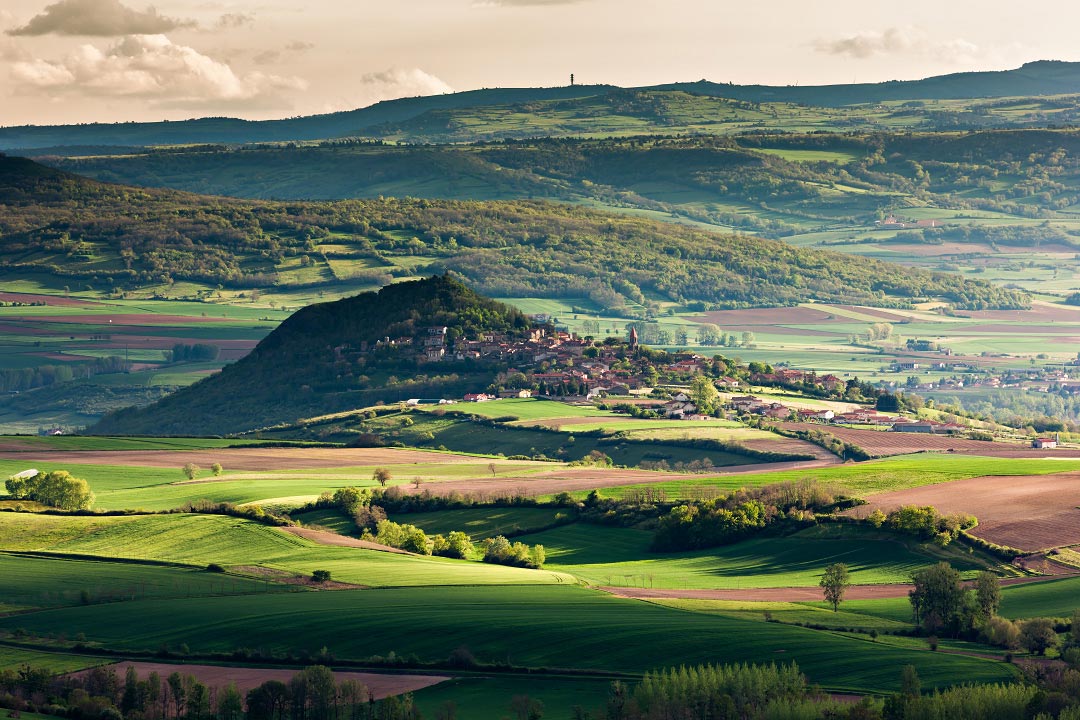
[[1044, 443], [914, 427]]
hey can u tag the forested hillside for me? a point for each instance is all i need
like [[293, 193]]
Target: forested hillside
[[308, 365], [121, 238]]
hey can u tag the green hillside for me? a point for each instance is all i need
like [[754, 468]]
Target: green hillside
[[1000, 204], [296, 372], [72, 231]]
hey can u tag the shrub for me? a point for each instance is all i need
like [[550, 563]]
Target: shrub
[[500, 551], [320, 576]]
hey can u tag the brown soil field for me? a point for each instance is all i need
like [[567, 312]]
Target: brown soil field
[[883, 315], [768, 316], [883, 443], [125, 319], [1030, 512], [1039, 312], [249, 458], [789, 445], [47, 299], [379, 684], [325, 537]]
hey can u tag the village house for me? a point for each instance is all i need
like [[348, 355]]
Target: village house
[[1044, 443]]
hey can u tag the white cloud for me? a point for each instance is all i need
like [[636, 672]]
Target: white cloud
[[101, 18], [152, 66], [897, 41], [390, 85]]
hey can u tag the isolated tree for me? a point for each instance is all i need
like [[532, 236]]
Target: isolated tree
[[704, 394], [216, 469], [190, 470], [938, 596], [987, 593], [382, 476], [492, 467], [417, 482], [834, 583], [320, 576]]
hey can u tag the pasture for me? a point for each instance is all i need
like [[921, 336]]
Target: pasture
[[554, 627], [620, 557], [248, 547], [40, 582]]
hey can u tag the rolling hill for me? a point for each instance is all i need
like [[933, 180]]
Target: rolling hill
[[1045, 78], [329, 357], [62, 229]]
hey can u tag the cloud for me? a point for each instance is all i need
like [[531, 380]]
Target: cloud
[[100, 18], [269, 57], [389, 85], [906, 41], [398, 83], [231, 21], [153, 67], [9, 50]]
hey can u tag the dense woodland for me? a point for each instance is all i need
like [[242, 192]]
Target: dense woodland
[[111, 237]]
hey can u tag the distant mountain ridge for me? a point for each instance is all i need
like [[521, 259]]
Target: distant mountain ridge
[[1042, 77], [1035, 78]]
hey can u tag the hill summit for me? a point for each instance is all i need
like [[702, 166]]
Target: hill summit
[[391, 345]]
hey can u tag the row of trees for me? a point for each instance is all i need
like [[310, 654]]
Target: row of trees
[[733, 517], [100, 694], [56, 489]]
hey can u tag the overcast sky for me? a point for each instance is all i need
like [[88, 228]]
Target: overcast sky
[[67, 61]]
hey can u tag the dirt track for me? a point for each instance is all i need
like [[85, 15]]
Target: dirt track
[[380, 685], [1030, 512]]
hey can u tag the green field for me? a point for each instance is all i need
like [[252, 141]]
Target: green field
[[866, 478], [480, 523], [550, 627], [125, 487], [1057, 598], [14, 657], [490, 697], [620, 557], [202, 539], [37, 582]]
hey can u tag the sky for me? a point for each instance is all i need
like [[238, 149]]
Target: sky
[[77, 61]]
